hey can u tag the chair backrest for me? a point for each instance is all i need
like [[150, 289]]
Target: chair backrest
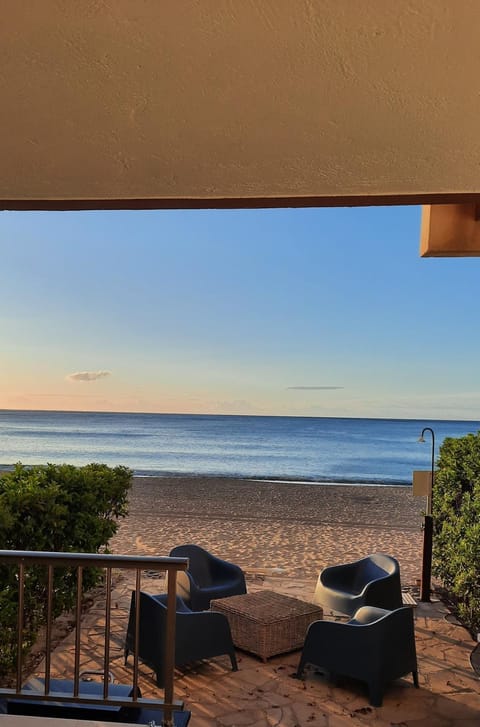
[[374, 567], [199, 562]]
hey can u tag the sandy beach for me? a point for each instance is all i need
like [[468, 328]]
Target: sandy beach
[[289, 529]]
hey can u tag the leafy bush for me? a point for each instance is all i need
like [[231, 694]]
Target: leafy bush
[[456, 510], [53, 508]]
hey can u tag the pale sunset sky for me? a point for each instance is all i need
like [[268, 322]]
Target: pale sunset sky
[[314, 312]]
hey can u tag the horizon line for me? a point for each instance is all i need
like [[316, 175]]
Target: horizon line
[[218, 414]]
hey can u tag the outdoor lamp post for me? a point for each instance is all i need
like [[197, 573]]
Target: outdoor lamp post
[[427, 529]]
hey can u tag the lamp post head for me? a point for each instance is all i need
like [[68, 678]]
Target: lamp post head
[[427, 429]]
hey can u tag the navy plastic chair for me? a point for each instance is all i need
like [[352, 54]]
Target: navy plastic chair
[[201, 635], [371, 581], [207, 577], [376, 647]]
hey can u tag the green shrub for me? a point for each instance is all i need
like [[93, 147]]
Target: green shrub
[[456, 510], [53, 508]]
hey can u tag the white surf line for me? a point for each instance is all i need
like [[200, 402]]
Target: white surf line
[[335, 484]]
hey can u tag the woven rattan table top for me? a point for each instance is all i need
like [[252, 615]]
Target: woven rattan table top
[[265, 606]]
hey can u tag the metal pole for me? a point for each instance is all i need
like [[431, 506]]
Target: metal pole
[[170, 648], [428, 532]]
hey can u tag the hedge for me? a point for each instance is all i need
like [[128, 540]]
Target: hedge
[[456, 510], [53, 508]]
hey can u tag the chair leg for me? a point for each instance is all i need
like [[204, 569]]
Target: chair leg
[[301, 666], [415, 678], [126, 653], [376, 694], [233, 659]]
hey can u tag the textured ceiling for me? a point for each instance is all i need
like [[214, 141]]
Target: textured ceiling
[[177, 99]]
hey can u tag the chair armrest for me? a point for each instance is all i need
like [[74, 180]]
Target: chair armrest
[[384, 591], [224, 568], [208, 619], [368, 615], [337, 628], [208, 625], [371, 583]]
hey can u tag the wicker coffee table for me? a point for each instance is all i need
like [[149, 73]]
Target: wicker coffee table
[[267, 623]]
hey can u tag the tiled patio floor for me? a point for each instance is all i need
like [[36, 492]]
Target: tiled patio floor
[[267, 695]]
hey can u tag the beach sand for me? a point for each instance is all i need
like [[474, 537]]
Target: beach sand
[[270, 528]]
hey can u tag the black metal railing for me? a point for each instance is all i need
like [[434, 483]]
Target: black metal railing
[[80, 561]]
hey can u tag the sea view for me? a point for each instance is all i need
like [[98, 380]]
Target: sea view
[[312, 449]]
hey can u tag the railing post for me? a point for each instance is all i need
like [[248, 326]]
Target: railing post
[[48, 634], [138, 576], [21, 606], [108, 607], [78, 618], [170, 646]]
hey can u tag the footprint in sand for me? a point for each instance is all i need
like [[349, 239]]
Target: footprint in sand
[[143, 547]]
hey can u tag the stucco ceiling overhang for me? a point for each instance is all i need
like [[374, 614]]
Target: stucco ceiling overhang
[[210, 101]]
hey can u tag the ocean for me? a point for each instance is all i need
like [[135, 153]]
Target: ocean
[[312, 449]]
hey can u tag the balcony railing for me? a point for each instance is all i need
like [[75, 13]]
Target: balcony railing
[[80, 561]]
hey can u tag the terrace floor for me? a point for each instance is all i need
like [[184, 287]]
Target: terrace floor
[[267, 695]]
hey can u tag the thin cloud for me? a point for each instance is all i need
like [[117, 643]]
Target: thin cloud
[[88, 375], [314, 388], [57, 396]]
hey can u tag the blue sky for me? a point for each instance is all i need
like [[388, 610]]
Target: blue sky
[[232, 311]]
